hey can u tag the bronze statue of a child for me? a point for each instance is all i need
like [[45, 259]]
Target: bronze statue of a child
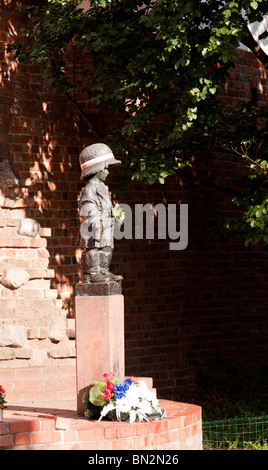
[[96, 235]]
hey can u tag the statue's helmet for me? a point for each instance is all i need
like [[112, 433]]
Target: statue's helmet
[[95, 158]]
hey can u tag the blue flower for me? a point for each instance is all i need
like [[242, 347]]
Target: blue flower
[[121, 389], [127, 383], [118, 395]]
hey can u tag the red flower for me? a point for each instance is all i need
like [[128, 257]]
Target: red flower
[[109, 376], [107, 394], [109, 386]]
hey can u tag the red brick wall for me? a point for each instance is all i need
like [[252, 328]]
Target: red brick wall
[[40, 139], [189, 314], [248, 80], [198, 312]]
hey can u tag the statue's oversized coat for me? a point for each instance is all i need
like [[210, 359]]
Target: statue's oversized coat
[[95, 208]]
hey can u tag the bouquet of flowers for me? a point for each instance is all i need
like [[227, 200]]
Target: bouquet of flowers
[[130, 400], [118, 213], [2, 398]]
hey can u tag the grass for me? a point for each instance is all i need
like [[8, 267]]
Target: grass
[[236, 434], [234, 413]]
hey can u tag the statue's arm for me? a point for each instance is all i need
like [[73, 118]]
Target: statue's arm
[[90, 214]]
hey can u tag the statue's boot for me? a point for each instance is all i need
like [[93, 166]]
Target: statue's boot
[[113, 277], [90, 266], [98, 277], [105, 258]]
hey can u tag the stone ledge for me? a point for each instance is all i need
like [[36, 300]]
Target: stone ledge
[[98, 289]]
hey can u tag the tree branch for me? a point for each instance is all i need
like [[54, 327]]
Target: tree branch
[[84, 116], [213, 185], [249, 41]]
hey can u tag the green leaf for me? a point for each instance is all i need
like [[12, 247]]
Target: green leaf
[[254, 5], [96, 395]]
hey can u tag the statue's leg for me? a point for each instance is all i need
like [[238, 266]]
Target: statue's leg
[[90, 262], [105, 255]]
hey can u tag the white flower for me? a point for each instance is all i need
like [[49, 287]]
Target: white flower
[[145, 393], [145, 407], [118, 213], [132, 416], [132, 395], [123, 405], [105, 410]]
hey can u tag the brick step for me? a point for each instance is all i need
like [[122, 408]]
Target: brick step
[[21, 242], [28, 255], [27, 292], [59, 429], [12, 224], [37, 305], [12, 215], [38, 273], [35, 273], [9, 238]]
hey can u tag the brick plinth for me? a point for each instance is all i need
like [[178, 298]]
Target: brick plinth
[[99, 340], [64, 430]]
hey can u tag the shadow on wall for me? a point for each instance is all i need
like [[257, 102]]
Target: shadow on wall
[[40, 143]]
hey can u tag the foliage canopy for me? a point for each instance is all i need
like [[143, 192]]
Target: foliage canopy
[[159, 65]]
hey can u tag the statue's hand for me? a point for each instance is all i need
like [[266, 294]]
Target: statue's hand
[[97, 233]]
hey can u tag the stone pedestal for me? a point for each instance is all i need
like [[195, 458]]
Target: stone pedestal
[[99, 318]]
